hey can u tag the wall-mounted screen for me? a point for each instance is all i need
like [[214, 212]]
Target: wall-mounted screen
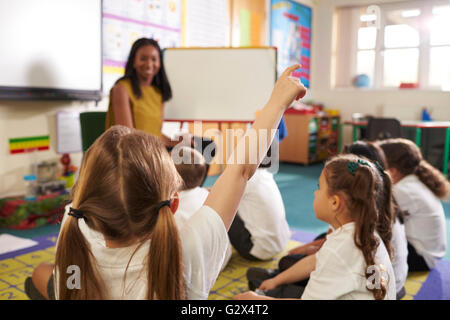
[[51, 49]]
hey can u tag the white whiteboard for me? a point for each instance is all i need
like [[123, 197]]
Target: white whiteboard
[[51, 44], [219, 83]]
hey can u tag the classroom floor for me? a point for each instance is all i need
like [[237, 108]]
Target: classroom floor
[[297, 184]]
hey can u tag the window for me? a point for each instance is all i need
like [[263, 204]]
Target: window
[[439, 25], [395, 45], [365, 59]]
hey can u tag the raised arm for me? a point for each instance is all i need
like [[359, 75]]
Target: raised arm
[[227, 192]]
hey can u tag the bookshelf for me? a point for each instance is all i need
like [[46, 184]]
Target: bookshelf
[[311, 138]]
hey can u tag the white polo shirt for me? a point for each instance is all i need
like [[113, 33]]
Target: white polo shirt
[[340, 269], [262, 211], [204, 242], [399, 247], [190, 201], [425, 224]]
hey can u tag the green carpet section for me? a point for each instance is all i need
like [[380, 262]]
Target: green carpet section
[[32, 233]]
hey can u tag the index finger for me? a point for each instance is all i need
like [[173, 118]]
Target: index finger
[[290, 69]]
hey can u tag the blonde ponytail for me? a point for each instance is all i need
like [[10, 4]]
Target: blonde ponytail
[[165, 275], [73, 250]]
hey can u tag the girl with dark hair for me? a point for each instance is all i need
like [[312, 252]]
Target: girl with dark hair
[[387, 207], [373, 152], [353, 262], [418, 188], [137, 99], [120, 238]]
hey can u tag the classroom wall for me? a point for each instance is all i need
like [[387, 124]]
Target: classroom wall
[[404, 104], [25, 119], [31, 118]]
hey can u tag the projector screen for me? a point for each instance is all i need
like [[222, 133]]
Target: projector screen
[[51, 49]]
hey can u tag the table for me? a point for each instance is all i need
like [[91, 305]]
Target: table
[[417, 126]]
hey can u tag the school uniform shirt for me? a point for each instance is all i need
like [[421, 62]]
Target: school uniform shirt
[[204, 241], [340, 269], [425, 225], [190, 201], [262, 211], [400, 254]]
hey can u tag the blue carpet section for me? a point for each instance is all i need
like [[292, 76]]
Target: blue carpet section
[[302, 236], [437, 285]]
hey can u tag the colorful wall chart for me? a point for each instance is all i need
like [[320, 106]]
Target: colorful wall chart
[[29, 144], [290, 32], [125, 21]]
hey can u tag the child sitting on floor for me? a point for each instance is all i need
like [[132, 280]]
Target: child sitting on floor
[[375, 154], [191, 165], [120, 230], [260, 230], [353, 262], [418, 188]]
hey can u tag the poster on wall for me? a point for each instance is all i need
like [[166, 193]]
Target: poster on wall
[[125, 21], [290, 32]]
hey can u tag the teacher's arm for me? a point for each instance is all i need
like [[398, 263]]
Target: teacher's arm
[[121, 106]]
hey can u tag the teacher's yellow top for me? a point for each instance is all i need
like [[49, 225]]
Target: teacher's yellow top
[[146, 110]]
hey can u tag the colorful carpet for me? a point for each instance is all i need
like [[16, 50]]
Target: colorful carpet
[[16, 266]]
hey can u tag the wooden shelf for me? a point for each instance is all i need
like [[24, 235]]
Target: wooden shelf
[[311, 138]]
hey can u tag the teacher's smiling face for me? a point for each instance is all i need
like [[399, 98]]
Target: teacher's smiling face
[[147, 64]]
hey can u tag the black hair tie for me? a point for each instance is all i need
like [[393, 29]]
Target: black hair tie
[[76, 213], [162, 204]]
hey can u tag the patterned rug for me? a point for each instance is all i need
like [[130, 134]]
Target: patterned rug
[[16, 266]]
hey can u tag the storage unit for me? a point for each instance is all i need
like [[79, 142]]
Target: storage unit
[[311, 138]]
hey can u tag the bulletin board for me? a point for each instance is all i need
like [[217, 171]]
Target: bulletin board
[[290, 32], [125, 21], [221, 84]]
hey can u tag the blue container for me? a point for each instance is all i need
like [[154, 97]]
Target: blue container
[[31, 187], [361, 81]]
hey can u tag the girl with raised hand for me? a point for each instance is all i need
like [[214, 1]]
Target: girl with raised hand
[[353, 262], [120, 238]]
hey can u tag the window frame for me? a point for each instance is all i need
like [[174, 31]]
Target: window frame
[[424, 46]]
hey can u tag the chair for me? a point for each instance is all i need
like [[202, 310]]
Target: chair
[[92, 126], [383, 128]]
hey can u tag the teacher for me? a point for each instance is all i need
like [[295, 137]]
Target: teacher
[[137, 99]]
